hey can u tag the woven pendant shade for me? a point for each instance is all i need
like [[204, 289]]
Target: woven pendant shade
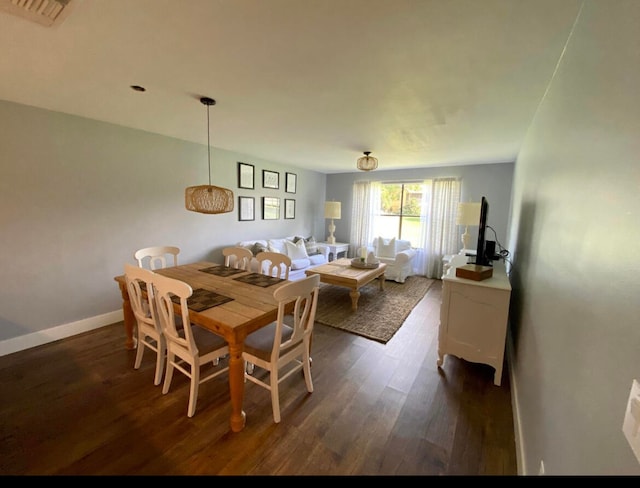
[[208, 199], [367, 163]]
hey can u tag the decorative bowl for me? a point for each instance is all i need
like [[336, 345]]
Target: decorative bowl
[[359, 263]]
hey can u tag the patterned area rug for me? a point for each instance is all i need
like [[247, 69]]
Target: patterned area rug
[[380, 313]]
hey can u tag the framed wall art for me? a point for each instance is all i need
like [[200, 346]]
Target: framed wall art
[[270, 179], [246, 175], [270, 208], [246, 208], [289, 208], [291, 181]]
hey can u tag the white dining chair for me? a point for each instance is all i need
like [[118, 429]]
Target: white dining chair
[[191, 349], [156, 257], [237, 257], [149, 334], [274, 264], [282, 349]]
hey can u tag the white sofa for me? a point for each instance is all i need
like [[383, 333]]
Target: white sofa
[[304, 253], [398, 256]]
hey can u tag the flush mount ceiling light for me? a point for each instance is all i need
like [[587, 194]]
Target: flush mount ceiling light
[[208, 199], [367, 163]]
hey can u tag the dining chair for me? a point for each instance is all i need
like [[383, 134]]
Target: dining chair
[[274, 264], [190, 348], [149, 334], [156, 257], [282, 349], [237, 257]]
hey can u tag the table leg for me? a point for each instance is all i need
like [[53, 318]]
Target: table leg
[[381, 280], [354, 294], [128, 317], [236, 386]]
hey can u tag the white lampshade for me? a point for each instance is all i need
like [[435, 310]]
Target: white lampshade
[[332, 210], [468, 213]]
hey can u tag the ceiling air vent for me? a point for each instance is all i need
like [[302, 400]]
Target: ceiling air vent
[[43, 12]]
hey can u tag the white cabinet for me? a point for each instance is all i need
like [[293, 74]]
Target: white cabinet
[[474, 317]]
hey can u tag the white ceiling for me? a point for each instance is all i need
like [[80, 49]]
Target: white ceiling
[[310, 83]]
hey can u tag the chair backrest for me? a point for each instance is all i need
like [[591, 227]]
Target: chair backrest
[[180, 340], [305, 293], [139, 283], [237, 257], [274, 264], [156, 257]]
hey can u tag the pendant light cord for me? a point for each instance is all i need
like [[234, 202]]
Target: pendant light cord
[[208, 102], [208, 144]]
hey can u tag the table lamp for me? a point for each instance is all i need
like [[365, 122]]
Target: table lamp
[[468, 214], [332, 211]]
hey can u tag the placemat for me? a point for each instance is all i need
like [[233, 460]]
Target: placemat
[[202, 299], [259, 279], [223, 271]]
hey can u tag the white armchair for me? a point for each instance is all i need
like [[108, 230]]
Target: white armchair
[[398, 256]]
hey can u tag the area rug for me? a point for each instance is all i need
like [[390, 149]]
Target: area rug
[[380, 313]]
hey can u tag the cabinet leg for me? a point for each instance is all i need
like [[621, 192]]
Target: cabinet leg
[[497, 378]]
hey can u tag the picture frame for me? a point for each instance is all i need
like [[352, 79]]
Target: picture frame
[[246, 208], [270, 179], [291, 181], [270, 208], [246, 175], [289, 208]]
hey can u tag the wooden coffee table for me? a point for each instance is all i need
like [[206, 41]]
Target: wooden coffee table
[[341, 273]]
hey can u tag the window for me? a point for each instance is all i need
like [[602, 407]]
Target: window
[[423, 213], [400, 210]]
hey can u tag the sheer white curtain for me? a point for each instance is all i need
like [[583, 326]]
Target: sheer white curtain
[[366, 203], [439, 232], [439, 237]]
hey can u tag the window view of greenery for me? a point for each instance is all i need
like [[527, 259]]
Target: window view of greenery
[[399, 216]]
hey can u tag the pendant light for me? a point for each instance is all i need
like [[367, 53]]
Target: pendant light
[[208, 199], [367, 163]]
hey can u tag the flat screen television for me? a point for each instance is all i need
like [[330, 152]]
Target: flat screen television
[[482, 257]]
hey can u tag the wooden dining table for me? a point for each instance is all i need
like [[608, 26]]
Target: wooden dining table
[[251, 307]]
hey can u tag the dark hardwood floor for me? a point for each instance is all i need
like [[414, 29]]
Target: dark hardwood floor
[[77, 406]]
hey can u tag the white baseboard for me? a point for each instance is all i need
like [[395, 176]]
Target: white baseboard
[[517, 428], [34, 339]]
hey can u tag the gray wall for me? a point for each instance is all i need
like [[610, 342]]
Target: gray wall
[[490, 180], [575, 231], [78, 197]]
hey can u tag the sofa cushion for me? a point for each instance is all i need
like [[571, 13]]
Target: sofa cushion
[[277, 245], [402, 245], [317, 259], [296, 250], [300, 263], [386, 248], [248, 244]]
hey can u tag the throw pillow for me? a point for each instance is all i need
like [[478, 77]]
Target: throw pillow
[[312, 246], [296, 250], [386, 247], [257, 248]]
